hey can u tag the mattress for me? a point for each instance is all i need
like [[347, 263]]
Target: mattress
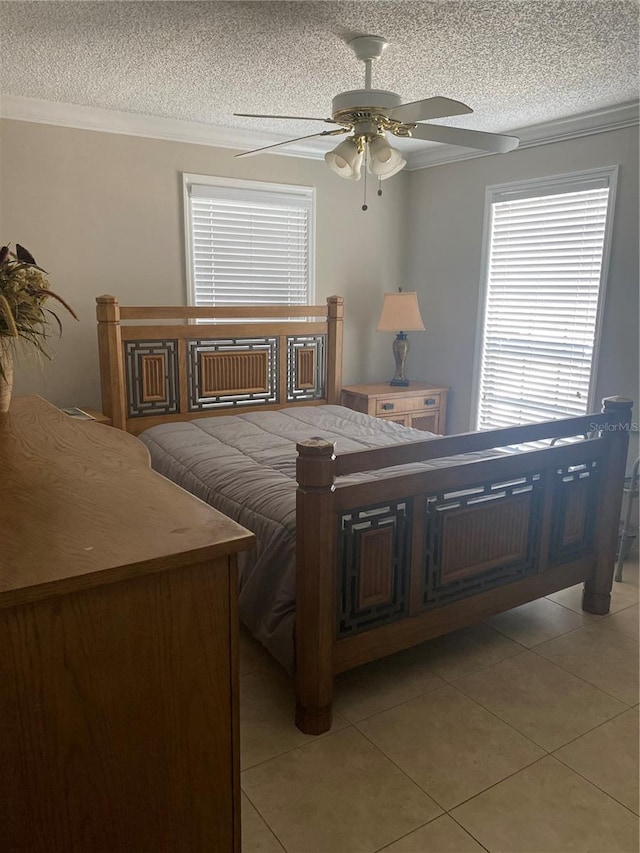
[[244, 465]]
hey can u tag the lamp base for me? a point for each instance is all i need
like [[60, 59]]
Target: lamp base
[[400, 352]]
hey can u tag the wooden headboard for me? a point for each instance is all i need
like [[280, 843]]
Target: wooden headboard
[[246, 359]]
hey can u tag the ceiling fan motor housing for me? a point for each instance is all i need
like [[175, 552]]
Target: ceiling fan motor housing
[[365, 110], [364, 100]]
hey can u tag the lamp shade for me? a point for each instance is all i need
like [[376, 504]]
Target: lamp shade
[[400, 313], [384, 161], [345, 160]]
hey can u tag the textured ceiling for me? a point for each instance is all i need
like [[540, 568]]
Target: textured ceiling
[[516, 62]]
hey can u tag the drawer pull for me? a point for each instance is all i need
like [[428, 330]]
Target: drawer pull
[[430, 401], [387, 407]]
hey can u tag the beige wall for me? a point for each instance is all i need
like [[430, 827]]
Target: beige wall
[[103, 213], [446, 209]]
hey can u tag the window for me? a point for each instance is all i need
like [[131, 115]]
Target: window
[[248, 242], [545, 267]]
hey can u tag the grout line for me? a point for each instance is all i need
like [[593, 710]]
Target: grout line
[[599, 726], [386, 757], [407, 834], [504, 722], [398, 704], [468, 831], [500, 719], [528, 737], [499, 782], [264, 820], [431, 796], [489, 665], [620, 633], [617, 633], [589, 731], [405, 774], [594, 785], [312, 739], [355, 724], [550, 639], [497, 716], [580, 677], [549, 755], [592, 618], [429, 666], [504, 779]]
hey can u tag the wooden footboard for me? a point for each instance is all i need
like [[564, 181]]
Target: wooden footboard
[[385, 564], [388, 563]]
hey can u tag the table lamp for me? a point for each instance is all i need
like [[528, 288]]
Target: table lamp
[[401, 314]]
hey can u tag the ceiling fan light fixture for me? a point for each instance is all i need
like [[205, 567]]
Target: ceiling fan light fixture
[[384, 161], [345, 160]]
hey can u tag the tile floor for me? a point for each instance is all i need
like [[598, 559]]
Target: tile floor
[[519, 735]]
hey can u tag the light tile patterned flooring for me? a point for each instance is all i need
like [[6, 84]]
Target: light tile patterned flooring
[[519, 735]]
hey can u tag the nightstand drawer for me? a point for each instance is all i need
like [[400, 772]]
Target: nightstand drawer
[[422, 403]]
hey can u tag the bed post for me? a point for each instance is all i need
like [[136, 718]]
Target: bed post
[[335, 317], [315, 585], [111, 360], [596, 597]]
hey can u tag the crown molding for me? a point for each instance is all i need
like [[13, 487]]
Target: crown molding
[[199, 133], [133, 124]]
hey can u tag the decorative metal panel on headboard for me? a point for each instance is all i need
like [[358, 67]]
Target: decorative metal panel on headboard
[[231, 373], [160, 368], [152, 377], [306, 367], [226, 373]]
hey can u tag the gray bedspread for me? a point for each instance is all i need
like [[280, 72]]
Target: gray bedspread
[[244, 465]]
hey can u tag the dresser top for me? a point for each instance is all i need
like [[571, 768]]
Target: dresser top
[[80, 506]]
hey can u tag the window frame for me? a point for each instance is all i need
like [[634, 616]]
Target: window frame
[[189, 179], [535, 187]]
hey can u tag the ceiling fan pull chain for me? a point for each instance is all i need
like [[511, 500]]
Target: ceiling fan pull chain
[[365, 206], [379, 186]]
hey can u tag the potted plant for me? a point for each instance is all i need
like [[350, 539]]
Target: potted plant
[[24, 291]]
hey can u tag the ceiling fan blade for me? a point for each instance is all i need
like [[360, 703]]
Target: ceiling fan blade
[[429, 108], [494, 142], [289, 141], [294, 118]]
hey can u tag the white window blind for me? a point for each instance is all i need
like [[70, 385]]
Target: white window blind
[[543, 291], [249, 245]]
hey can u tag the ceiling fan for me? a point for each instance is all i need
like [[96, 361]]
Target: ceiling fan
[[372, 113]]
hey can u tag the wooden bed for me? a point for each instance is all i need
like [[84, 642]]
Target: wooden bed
[[384, 565]]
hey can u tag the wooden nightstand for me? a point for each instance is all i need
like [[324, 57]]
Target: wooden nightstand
[[418, 405]]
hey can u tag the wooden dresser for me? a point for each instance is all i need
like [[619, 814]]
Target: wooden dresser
[[118, 648]]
